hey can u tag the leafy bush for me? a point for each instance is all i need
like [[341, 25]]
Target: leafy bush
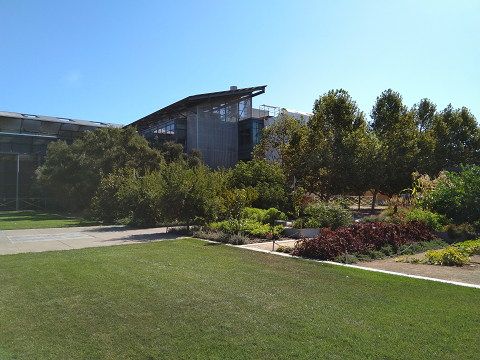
[[421, 246], [238, 239], [372, 219], [362, 238], [106, 205], [435, 222], [342, 258], [122, 197], [457, 195], [263, 216], [457, 231], [450, 256], [329, 215], [298, 223], [399, 211], [470, 247], [268, 180], [174, 194], [387, 250], [249, 227], [273, 214], [212, 235], [253, 214], [284, 249]]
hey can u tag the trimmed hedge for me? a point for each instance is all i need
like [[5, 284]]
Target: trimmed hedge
[[362, 238]]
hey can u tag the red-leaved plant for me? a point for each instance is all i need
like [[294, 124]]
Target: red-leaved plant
[[361, 238]]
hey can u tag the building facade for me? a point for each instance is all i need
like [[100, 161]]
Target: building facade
[[23, 147], [222, 125]]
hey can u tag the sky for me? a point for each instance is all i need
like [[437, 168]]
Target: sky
[[118, 61]]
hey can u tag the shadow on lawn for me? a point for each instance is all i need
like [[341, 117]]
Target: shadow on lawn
[[32, 216], [127, 233]]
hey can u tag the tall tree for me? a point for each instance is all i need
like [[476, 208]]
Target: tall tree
[[425, 113], [335, 135], [457, 138], [397, 130], [267, 179], [173, 152], [283, 142], [74, 172]]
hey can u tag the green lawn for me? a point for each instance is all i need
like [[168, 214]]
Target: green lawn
[[10, 220], [188, 299]]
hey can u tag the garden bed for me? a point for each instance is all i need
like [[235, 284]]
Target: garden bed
[[468, 273]]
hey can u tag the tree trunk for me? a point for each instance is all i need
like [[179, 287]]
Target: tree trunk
[[374, 199]]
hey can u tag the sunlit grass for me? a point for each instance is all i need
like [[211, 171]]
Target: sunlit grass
[[11, 220], [188, 299]]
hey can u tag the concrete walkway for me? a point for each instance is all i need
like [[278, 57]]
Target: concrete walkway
[[38, 240]]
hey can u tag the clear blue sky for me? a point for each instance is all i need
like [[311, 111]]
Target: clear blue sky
[[117, 61]]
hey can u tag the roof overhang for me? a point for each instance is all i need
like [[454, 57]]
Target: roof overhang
[[46, 126], [181, 108]]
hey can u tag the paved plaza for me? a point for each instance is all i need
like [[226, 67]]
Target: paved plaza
[[37, 240]]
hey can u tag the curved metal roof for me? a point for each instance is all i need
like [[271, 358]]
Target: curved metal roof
[[39, 125]]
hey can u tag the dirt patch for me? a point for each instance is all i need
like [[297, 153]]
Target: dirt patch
[[468, 273]]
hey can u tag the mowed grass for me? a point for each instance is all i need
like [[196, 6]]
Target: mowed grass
[[11, 220], [189, 299]]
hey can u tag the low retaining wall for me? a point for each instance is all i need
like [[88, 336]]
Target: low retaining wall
[[296, 233]]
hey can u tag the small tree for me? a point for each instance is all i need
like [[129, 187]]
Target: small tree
[[267, 179], [335, 133], [190, 193], [121, 195], [75, 171]]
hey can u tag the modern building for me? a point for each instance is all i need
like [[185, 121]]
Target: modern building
[[23, 148], [222, 125]]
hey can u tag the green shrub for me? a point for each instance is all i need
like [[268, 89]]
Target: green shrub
[[238, 239], [122, 198], [329, 215], [371, 219], [298, 223], [450, 256], [377, 255], [415, 260], [352, 259], [435, 222], [273, 214], [387, 250], [268, 180], [456, 195], [248, 227], [470, 247], [253, 214], [421, 246], [219, 236], [284, 249], [314, 223], [390, 211], [457, 231], [263, 216]]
